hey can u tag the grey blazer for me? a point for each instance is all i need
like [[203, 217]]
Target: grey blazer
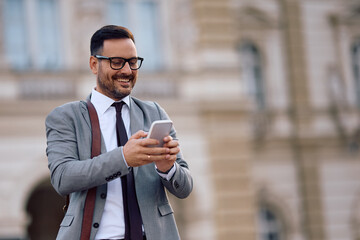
[[73, 172]]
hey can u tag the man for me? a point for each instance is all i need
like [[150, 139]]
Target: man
[[115, 63]]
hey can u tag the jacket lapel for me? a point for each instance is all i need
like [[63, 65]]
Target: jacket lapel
[[85, 113], [136, 117], [136, 122]]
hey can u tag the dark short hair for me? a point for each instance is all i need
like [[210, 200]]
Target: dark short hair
[[108, 32]]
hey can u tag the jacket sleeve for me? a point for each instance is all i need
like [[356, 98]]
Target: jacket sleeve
[[181, 183], [69, 150]]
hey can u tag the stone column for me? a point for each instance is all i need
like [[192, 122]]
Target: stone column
[[226, 127], [304, 148]]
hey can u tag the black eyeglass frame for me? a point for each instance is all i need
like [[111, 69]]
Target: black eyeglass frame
[[126, 60]]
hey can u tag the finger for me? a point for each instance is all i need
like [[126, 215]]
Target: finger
[[148, 142], [156, 150], [174, 151], [167, 139], [139, 134], [155, 158], [170, 158], [149, 158], [172, 144]]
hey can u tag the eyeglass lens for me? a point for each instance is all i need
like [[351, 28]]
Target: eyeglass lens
[[118, 63]]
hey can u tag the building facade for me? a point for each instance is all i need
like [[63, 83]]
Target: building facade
[[264, 94]]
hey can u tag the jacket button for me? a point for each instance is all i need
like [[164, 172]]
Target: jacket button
[[103, 195], [95, 225], [176, 184]]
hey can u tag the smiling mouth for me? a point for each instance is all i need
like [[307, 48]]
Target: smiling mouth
[[123, 80]]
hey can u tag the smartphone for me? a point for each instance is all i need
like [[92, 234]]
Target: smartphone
[[158, 130]]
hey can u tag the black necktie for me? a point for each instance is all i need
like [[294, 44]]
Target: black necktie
[[133, 222]]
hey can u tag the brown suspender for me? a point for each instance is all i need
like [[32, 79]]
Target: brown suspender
[[96, 140], [91, 195]]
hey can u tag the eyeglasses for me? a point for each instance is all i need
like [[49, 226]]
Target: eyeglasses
[[118, 63]]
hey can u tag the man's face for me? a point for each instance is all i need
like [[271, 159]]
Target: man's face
[[115, 84]]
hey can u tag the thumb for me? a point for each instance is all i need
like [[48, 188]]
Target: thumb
[[139, 134]]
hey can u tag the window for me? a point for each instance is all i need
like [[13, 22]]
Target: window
[[355, 51], [269, 226], [15, 34], [252, 73], [31, 34], [48, 48], [141, 17]]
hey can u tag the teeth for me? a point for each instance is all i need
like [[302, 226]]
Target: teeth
[[123, 80]]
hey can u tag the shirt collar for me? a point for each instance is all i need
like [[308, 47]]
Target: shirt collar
[[102, 102]]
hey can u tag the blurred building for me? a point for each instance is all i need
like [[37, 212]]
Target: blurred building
[[265, 96]]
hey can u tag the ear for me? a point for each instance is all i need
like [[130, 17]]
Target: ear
[[94, 64]]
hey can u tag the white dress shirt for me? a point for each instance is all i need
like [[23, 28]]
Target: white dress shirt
[[112, 225]]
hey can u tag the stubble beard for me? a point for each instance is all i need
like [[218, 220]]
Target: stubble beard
[[109, 89]]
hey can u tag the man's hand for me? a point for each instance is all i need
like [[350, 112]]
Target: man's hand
[[169, 158], [137, 151]]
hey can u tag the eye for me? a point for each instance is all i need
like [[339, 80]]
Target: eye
[[117, 61], [133, 61]]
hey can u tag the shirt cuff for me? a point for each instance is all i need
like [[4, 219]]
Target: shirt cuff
[[168, 175], [122, 152]]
